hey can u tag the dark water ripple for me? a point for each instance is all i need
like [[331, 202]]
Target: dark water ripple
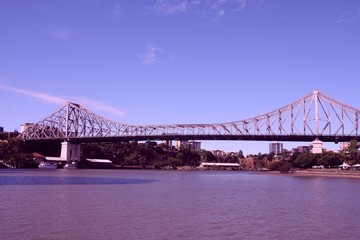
[[67, 180]]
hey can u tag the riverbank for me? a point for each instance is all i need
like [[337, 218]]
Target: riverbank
[[327, 173], [316, 173]]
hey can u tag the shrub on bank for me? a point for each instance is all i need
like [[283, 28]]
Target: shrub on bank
[[281, 166]]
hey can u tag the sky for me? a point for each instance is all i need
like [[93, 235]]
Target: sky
[[175, 61]]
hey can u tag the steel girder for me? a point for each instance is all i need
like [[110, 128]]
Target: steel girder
[[312, 116]]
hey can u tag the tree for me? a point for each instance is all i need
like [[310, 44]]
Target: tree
[[188, 157], [329, 159], [241, 154], [305, 160], [271, 156], [15, 153], [281, 166], [174, 162], [353, 152], [209, 157], [92, 150]]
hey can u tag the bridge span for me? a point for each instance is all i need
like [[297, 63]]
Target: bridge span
[[314, 116]]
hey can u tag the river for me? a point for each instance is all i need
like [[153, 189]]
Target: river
[[166, 204]]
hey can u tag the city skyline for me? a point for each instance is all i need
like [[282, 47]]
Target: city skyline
[[169, 62]]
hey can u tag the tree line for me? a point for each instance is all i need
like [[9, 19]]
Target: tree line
[[287, 161], [17, 153]]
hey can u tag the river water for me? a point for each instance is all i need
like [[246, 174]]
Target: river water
[[155, 204]]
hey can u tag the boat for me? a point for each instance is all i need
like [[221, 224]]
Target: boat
[[47, 165], [71, 165]]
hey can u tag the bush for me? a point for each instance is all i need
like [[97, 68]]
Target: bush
[[282, 166]]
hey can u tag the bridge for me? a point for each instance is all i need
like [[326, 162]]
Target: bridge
[[314, 116]]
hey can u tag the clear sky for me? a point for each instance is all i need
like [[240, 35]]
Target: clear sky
[[175, 61]]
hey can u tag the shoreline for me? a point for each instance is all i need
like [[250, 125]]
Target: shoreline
[[315, 173], [334, 172], [327, 173]]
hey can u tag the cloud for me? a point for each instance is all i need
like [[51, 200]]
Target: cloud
[[348, 17], [62, 34], [223, 6], [242, 5], [218, 8], [100, 106], [87, 103], [117, 11], [170, 7], [151, 54], [37, 95]]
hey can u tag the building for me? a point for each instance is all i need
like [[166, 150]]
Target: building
[[276, 148], [192, 145], [301, 149], [181, 144], [24, 127], [213, 166], [99, 163], [317, 147], [167, 143], [344, 146]]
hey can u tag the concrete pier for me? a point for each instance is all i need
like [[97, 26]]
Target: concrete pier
[[70, 151]]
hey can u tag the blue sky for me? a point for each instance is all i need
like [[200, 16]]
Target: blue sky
[[180, 61]]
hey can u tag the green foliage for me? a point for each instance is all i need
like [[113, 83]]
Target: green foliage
[[143, 155], [281, 166], [271, 156], [330, 159], [174, 162], [15, 153], [351, 153], [209, 157], [188, 157], [305, 160]]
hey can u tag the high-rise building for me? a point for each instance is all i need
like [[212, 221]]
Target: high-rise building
[[181, 144], [301, 149], [192, 145], [276, 148], [195, 146]]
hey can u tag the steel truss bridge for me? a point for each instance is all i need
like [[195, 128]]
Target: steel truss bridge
[[315, 116]]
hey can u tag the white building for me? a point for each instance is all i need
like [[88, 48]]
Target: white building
[[317, 146], [24, 127]]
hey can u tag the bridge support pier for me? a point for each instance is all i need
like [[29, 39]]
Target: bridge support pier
[[316, 146], [70, 151]]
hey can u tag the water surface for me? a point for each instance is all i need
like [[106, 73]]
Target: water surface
[[152, 204]]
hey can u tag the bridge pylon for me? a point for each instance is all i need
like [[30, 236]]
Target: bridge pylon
[[70, 151], [317, 146]]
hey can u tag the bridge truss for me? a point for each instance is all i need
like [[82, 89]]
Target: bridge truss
[[313, 116]]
